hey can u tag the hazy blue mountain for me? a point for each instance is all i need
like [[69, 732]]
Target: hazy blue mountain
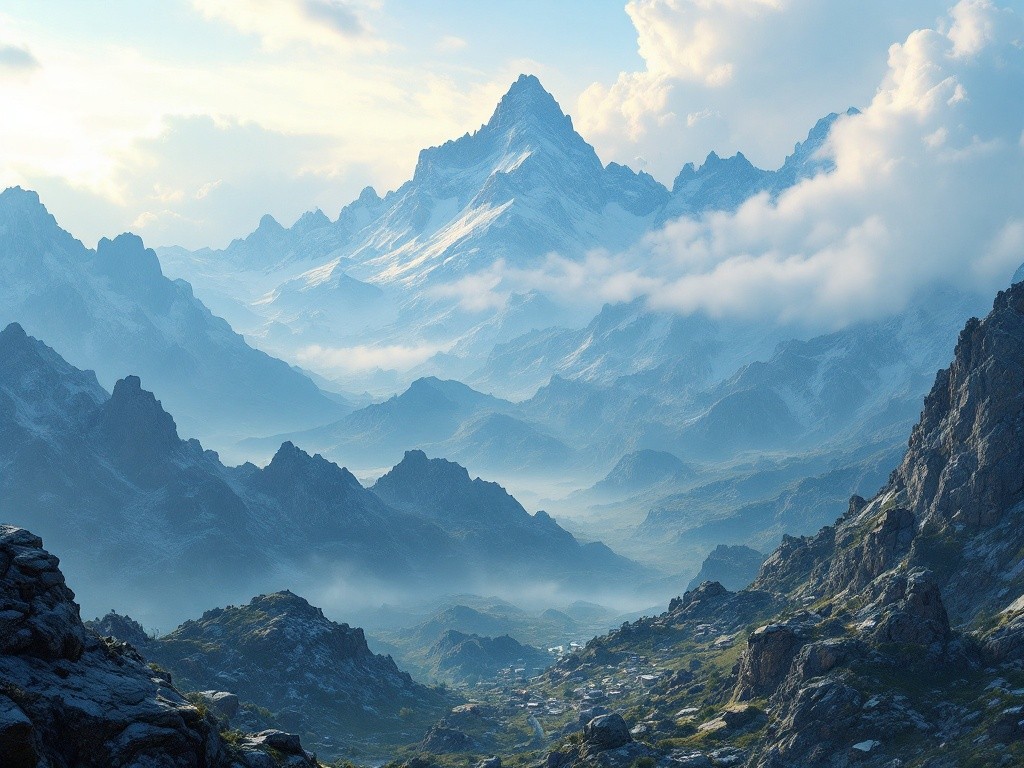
[[733, 566], [758, 508], [493, 527], [112, 310], [625, 340], [724, 183], [504, 443], [720, 183], [429, 411], [858, 384], [460, 658], [643, 469], [136, 511]]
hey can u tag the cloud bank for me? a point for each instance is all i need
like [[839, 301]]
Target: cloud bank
[[747, 75], [927, 189]]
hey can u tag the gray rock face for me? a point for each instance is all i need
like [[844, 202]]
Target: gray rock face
[[885, 544], [606, 732], [37, 614], [963, 463], [914, 612], [69, 698], [770, 651]]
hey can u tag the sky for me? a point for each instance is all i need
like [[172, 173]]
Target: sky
[[186, 120]]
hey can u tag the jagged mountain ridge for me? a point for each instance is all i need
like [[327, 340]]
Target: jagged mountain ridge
[[136, 510], [896, 634], [443, 492], [951, 506], [112, 310], [523, 185]]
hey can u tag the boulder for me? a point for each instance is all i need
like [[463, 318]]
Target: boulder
[[606, 732], [224, 705], [283, 742]]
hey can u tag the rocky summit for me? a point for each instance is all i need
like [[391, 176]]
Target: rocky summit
[[315, 676], [69, 698]]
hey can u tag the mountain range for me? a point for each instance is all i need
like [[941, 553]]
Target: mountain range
[[546, 405], [388, 269], [137, 511], [536, 393], [111, 310]]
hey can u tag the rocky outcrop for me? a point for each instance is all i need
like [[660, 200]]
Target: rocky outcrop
[[69, 698], [442, 739], [913, 612], [122, 628], [315, 675], [964, 458], [769, 654], [40, 618]]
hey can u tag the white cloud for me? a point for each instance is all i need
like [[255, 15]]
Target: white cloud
[[927, 189], [361, 358], [279, 23], [765, 69], [450, 44]]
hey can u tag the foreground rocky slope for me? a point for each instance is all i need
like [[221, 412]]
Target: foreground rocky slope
[[894, 637], [69, 698]]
